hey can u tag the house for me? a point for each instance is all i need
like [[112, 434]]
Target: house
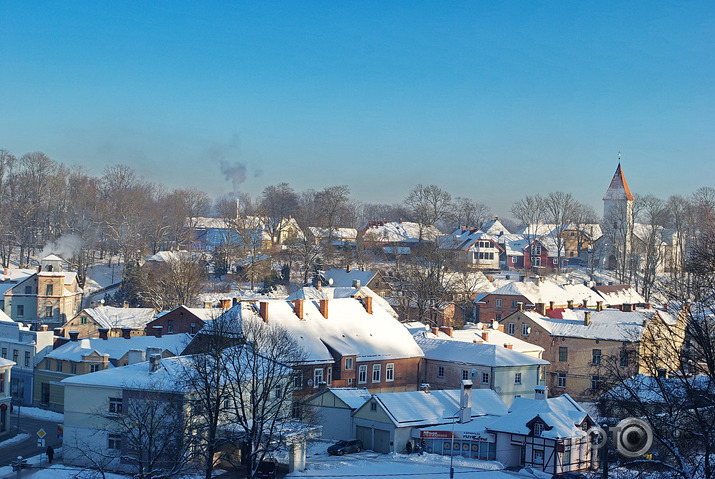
[[109, 321], [472, 248], [334, 408], [9, 277], [487, 333], [26, 348], [505, 300], [498, 367], [397, 237], [582, 344], [210, 233], [616, 295], [181, 320], [494, 227], [347, 341], [83, 356], [5, 397], [49, 296], [338, 237], [388, 421], [549, 435], [576, 239], [357, 278]]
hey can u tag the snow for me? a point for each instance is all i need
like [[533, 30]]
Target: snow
[[116, 348], [43, 414], [476, 332], [562, 415], [353, 397], [345, 278], [401, 232], [113, 318], [473, 353]]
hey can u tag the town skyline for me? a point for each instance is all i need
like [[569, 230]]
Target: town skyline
[[488, 102]]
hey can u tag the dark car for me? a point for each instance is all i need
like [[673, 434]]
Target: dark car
[[345, 447], [267, 469], [569, 475]]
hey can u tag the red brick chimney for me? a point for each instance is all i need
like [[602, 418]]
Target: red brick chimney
[[263, 308], [367, 302], [103, 333], [324, 308], [435, 331], [127, 333], [509, 346], [599, 305], [485, 336], [298, 304], [501, 328], [448, 330], [225, 303]]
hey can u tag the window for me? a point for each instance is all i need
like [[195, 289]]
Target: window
[[525, 329], [59, 366], [376, 373], [538, 429], [537, 250], [373, 406], [595, 383], [115, 405], [45, 393], [28, 289], [465, 374], [317, 377], [497, 303], [596, 356], [47, 364], [4, 353], [563, 354], [497, 317], [83, 320], [20, 310], [517, 378], [27, 359], [390, 372], [514, 303], [2, 382], [277, 391], [170, 326], [348, 363], [49, 290], [554, 260], [14, 355], [362, 374], [511, 328], [539, 456], [114, 442], [329, 375], [561, 380], [536, 261], [296, 409], [623, 358], [93, 368], [74, 368], [298, 379], [17, 388], [48, 312], [440, 371], [192, 328], [485, 378]]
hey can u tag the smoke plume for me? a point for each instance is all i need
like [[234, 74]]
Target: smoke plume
[[65, 247], [235, 173]]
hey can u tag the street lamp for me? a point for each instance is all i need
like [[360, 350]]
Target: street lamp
[[451, 447]]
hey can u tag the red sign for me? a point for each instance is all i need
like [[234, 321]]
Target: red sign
[[436, 434]]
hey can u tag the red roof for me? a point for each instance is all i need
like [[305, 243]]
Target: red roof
[[618, 189]]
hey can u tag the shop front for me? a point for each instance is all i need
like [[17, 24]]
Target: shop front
[[475, 445]]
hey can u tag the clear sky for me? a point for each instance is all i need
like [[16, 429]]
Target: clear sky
[[490, 100]]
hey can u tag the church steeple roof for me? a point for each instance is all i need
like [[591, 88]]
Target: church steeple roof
[[618, 190]]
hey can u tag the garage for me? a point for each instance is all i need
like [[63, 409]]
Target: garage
[[382, 441], [365, 435]]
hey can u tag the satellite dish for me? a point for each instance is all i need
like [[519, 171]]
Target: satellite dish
[[310, 382], [497, 389], [474, 374], [330, 281]]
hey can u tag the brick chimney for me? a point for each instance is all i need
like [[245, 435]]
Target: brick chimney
[[59, 332], [520, 306], [127, 333], [585, 303], [207, 305], [74, 335], [485, 336], [586, 318], [551, 306], [435, 331], [125, 304], [367, 302], [356, 283], [627, 307], [157, 330], [298, 305], [103, 333], [540, 308], [324, 308], [501, 328], [509, 346], [263, 308], [448, 330], [599, 305], [319, 285], [665, 306], [4, 271], [225, 303], [570, 303]]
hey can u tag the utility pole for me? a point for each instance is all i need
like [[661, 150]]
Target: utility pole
[[604, 452]]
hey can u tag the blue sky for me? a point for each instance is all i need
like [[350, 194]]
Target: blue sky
[[490, 101]]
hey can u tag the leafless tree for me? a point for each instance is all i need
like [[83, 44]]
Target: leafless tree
[[531, 211], [428, 205], [177, 281], [279, 203], [560, 210], [467, 212]]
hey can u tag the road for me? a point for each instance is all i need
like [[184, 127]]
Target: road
[[29, 446]]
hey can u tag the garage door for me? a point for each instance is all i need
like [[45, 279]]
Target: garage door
[[382, 441], [365, 435]]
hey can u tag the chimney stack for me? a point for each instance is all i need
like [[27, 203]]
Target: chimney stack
[[367, 302], [501, 328], [448, 330], [4, 271], [665, 306], [319, 285], [158, 330], [435, 331], [74, 335], [59, 332], [263, 308], [540, 308], [586, 318], [627, 308], [485, 336], [570, 303], [599, 305], [509, 346], [585, 303], [356, 283], [465, 401], [298, 305], [207, 305], [125, 304], [520, 306], [225, 303], [103, 333], [324, 308], [551, 305], [136, 356], [43, 327], [154, 362], [127, 333]]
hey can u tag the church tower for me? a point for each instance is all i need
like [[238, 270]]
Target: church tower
[[618, 213]]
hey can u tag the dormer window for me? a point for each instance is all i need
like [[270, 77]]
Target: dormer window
[[538, 429]]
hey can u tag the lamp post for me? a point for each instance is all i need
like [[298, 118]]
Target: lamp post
[[451, 447]]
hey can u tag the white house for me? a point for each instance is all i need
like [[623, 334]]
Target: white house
[[334, 408], [5, 398]]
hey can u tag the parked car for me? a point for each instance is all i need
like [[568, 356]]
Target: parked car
[[345, 447], [569, 475], [267, 469]]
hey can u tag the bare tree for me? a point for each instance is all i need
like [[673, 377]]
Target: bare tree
[[177, 281], [279, 203], [530, 211], [467, 212], [561, 209], [428, 205]]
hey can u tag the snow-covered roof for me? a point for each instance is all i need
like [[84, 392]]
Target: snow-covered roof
[[547, 291], [349, 329], [167, 256], [514, 244], [401, 232], [538, 229], [52, 257], [353, 397], [114, 318], [562, 416], [494, 227], [16, 275], [116, 348], [204, 314], [5, 363], [481, 354], [619, 294], [661, 390], [5, 318], [419, 408], [608, 324], [170, 377], [472, 332], [314, 294], [341, 277], [337, 233]]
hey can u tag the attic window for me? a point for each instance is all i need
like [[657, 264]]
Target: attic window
[[538, 429]]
